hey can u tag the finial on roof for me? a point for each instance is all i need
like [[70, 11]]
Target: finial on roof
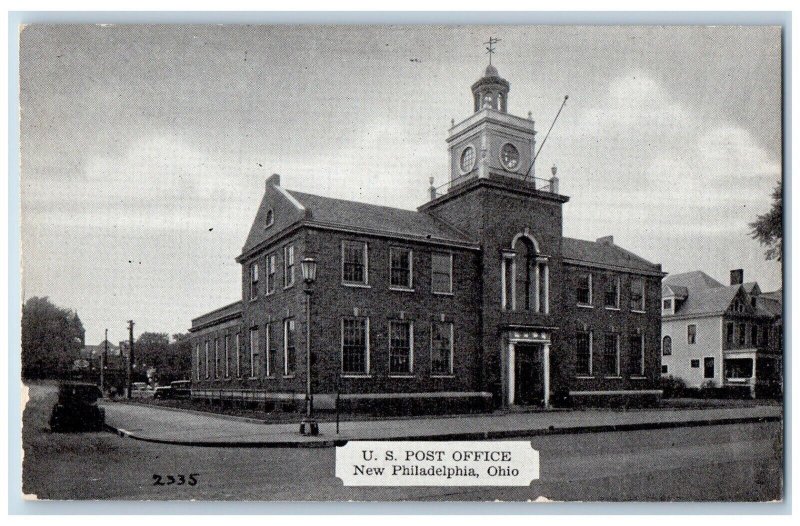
[[490, 50]]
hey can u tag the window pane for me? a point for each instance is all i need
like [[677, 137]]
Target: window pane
[[354, 269], [289, 347], [441, 348], [354, 346], [667, 347], [254, 356], [635, 359], [612, 292], [610, 355], [400, 267], [400, 347], [637, 294], [583, 366], [584, 291], [440, 272]]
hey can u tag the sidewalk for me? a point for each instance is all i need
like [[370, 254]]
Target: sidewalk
[[167, 426]]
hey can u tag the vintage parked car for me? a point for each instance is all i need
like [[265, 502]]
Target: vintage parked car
[[76, 409], [176, 389]]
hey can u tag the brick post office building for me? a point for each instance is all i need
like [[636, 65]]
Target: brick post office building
[[474, 298]]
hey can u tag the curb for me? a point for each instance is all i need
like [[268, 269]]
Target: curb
[[478, 435]]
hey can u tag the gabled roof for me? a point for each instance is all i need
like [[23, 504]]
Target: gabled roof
[[751, 287], [384, 219], [679, 291], [708, 301], [692, 281], [604, 254]]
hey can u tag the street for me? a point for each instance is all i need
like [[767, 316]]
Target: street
[[713, 463]]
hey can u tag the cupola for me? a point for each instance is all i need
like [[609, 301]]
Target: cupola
[[491, 90]]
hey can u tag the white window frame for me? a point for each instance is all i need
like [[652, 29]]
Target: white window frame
[[269, 220], [253, 351], [288, 250], [410, 285], [253, 280], [238, 343], [227, 345], [267, 355], [618, 373], [452, 345], [286, 372], [365, 252], [341, 348], [590, 374], [271, 270], [216, 358], [450, 255], [197, 352], [591, 292], [617, 299], [410, 371], [208, 370], [690, 336], [644, 294]]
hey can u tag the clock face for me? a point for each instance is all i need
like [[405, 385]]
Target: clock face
[[509, 156], [467, 159]]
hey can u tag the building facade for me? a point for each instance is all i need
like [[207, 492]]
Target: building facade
[[475, 297], [721, 336]]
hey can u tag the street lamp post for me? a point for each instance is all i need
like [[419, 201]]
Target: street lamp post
[[309, 426]]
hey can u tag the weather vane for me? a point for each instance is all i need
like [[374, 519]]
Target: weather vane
[[490, 47]]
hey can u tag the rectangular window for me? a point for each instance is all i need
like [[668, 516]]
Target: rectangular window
[[253, 281], [691, 334], [401, 267], [442, 272], [354, 262], [637, 294], [695, 364], [267, 351], [441, 348], [611, 354], [227, 356], [288, 266], [764, 336], [400, 347], [584, 290], [508, 282], [742, 332], [754, 335], [667, 304], [254, 356], [238, 344], [664, 369], [355, 346], [197, 361], [271, 265], [289, 347], [708, 368], [612, 292], [584, 353], [636, 359], [729, 333], [216, 358], [208, 362]]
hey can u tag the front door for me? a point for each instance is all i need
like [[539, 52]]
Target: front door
[[529, 374]]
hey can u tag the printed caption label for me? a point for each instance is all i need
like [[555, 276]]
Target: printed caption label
[[366, 463]]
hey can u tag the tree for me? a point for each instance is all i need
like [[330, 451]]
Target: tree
[[768, 228], [52, 338], [171, 360]]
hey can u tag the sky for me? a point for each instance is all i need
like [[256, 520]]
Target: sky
[[145, 149]]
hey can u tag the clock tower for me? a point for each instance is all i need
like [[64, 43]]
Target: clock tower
[[491, 141]]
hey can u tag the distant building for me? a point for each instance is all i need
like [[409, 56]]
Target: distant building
[[719, 335], [476, 296]]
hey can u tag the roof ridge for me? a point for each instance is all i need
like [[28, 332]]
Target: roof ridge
[[373, 205]]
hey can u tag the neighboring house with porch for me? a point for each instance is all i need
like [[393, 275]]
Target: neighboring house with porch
[[720, 335]]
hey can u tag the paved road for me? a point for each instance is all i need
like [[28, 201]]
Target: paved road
[[732, 462], [164, 424]]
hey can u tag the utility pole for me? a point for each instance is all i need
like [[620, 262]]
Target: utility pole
[[130, 357], [103, 362]]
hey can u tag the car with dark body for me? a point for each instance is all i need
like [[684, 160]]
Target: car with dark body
[[77, 409], [176, 389]]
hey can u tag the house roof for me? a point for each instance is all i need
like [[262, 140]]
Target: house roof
[[776, 295], [750, 287], [605, 254], [395, 221], [692, 281], [679, 291], [708, 301]]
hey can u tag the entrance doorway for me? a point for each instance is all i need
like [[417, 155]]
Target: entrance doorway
[[529, 374]]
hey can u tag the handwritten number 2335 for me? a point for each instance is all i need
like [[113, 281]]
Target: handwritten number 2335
[[178, 480]]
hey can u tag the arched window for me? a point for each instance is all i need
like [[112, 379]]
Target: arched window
[[666, 348], [499, 102], [525, 282], [269, 219]]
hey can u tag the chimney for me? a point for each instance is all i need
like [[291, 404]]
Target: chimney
[[737, 276], [606, 240], [273, 180], [432, 189]]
